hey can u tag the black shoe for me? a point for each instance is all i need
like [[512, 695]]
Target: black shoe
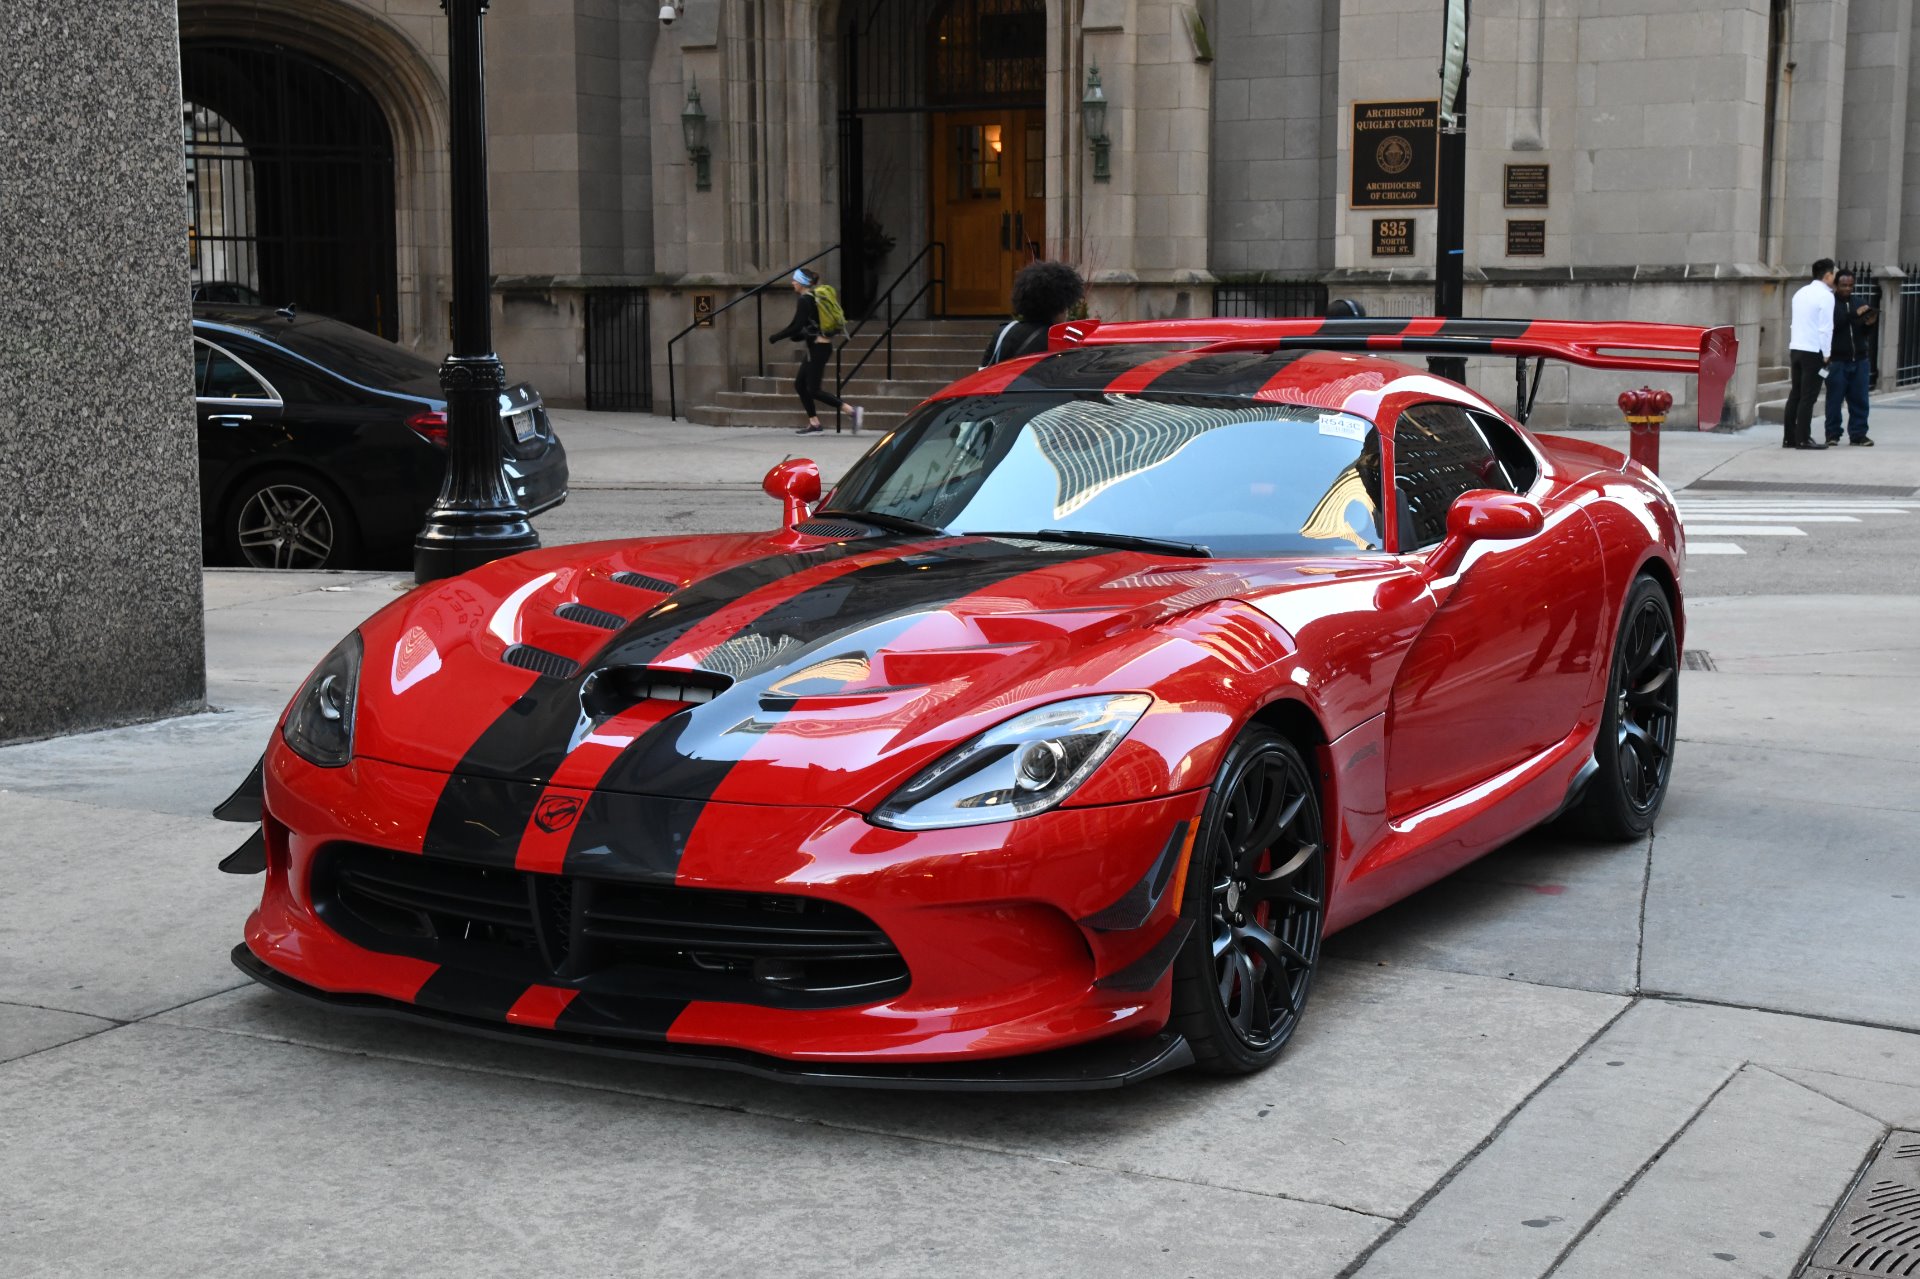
[[1786, 444], [1832, 440], [1862, 440], [811, 430], [1810, 444]]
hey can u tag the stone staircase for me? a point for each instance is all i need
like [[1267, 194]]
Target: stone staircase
[[927, 355]]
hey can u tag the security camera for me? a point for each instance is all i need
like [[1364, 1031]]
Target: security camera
[[668, 12]]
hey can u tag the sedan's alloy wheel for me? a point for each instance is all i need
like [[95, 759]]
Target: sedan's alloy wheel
[[285, 526]]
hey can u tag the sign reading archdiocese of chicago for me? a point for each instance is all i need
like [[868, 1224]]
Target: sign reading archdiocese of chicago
[[1393, 237], [1526, 239], [1526, 186], [1396, 148]]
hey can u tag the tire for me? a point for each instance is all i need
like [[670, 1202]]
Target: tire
[[1256, 891], [1638, 725], [290, 519]]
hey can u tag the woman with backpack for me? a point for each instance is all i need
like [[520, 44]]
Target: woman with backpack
[[817, 317]]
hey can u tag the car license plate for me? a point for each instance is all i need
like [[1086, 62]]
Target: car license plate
[[524, 428]]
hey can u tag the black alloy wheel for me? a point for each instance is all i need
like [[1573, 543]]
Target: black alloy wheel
[[1640, 722], [290, 520], [1256, 893]]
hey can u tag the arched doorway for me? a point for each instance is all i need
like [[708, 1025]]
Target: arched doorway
[[955, 91], [290, 174]]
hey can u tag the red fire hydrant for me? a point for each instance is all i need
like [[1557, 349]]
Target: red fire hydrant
[[1646, 410]]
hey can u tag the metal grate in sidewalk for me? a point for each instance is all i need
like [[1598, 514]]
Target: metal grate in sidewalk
[[1875, 1232]]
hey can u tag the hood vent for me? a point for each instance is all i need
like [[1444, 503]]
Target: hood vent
[[843, 529], [590, 616], [641, 582], [614, 689], [539, 660]]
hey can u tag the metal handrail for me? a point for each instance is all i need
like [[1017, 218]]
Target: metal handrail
[[759, 325], [936, 249]]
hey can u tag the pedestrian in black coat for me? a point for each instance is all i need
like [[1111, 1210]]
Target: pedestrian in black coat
[[807, 383], [1043, 293]]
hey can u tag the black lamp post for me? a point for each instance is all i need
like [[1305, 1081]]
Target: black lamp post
[[475, 518]]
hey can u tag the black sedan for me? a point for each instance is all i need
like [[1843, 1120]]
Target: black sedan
[[322, 446]]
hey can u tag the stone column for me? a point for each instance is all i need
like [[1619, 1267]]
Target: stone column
[[100, 532], [1144, 232]]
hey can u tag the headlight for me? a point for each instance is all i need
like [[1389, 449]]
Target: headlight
[[319, 725], [1024, 766]]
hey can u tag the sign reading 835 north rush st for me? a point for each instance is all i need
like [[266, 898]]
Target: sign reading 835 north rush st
[[1396, 148]]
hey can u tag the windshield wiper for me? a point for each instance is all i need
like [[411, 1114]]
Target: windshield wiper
[[1120, 541], [893, 523]]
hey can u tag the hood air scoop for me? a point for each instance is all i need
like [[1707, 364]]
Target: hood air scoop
[[613, 689]]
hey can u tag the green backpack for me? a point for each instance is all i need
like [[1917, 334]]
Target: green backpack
[[832, 319]]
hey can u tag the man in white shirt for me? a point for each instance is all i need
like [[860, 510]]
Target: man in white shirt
[[1809, 342]]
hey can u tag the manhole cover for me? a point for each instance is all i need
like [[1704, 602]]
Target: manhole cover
[[1696, 659], [1789, 486], [1876, 1230]]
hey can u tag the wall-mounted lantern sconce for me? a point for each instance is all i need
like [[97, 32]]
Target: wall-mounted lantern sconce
[[1093, 115], [693, 123]]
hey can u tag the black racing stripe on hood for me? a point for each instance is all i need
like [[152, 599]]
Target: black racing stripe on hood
[[479, 822], [677, 756], [1229, 373]]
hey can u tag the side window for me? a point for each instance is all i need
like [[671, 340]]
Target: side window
[[1522, 467], [1438, 454], [220, 377]]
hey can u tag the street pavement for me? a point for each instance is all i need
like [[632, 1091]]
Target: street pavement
[[1665, 1059]]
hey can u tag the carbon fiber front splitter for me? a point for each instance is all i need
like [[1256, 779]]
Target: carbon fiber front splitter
[[1108, 1064]]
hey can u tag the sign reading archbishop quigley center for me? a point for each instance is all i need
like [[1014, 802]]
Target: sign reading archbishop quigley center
[[1396, 151]]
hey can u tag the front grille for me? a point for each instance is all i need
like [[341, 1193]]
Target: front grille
[[607, 937]]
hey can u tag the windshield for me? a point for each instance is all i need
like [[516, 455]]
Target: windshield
[[1238, 478]]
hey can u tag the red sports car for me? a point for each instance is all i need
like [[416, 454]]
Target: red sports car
[[1042, 753]]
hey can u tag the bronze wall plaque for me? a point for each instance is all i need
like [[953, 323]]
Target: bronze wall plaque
[[1395, 155], [1393, 237], [1526, 239], [1526, 186], [703, 310]]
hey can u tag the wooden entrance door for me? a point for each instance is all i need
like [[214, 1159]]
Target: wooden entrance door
[[989, 203]]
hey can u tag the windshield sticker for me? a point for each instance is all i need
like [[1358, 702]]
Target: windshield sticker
[[1340, 424]]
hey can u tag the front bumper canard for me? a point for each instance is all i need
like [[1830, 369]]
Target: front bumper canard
[[1107, 1064]]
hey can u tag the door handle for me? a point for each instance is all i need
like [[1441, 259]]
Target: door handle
[[230, 417], [1006, 220], [1020, 231]]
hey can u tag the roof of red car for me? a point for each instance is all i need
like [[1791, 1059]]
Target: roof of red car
[[1320, 379]]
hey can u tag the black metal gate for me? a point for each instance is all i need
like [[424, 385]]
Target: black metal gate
[[620, 350], [1907, 372], [289, 183], [1270, 300]]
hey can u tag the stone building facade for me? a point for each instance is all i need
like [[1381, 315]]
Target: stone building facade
[[1695, 156]]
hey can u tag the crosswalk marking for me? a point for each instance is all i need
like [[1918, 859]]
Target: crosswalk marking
[[1746, 530], [1755, 516]]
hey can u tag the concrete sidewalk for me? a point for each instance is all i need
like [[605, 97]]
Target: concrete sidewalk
[[1665, 1059]]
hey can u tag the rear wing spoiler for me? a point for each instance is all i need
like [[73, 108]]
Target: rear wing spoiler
[[1708, 354]]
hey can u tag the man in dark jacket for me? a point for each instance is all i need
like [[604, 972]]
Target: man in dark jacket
[[1043, 293], [1851, 367]]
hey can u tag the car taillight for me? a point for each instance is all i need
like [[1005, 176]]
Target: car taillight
[[430, 425]]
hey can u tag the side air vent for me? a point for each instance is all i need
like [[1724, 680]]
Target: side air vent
[[538, 660], [641, 582], [590, 616], [833, 528]]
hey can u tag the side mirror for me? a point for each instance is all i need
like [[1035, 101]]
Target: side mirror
[[797, 484], [1483, 515]]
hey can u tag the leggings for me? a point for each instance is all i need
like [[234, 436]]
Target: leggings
[[806, 383]]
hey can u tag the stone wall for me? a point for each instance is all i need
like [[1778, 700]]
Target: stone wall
[[100, 529]]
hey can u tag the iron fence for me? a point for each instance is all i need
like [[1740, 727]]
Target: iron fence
[[1907, 371], [1276, 300], [620, 350]]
